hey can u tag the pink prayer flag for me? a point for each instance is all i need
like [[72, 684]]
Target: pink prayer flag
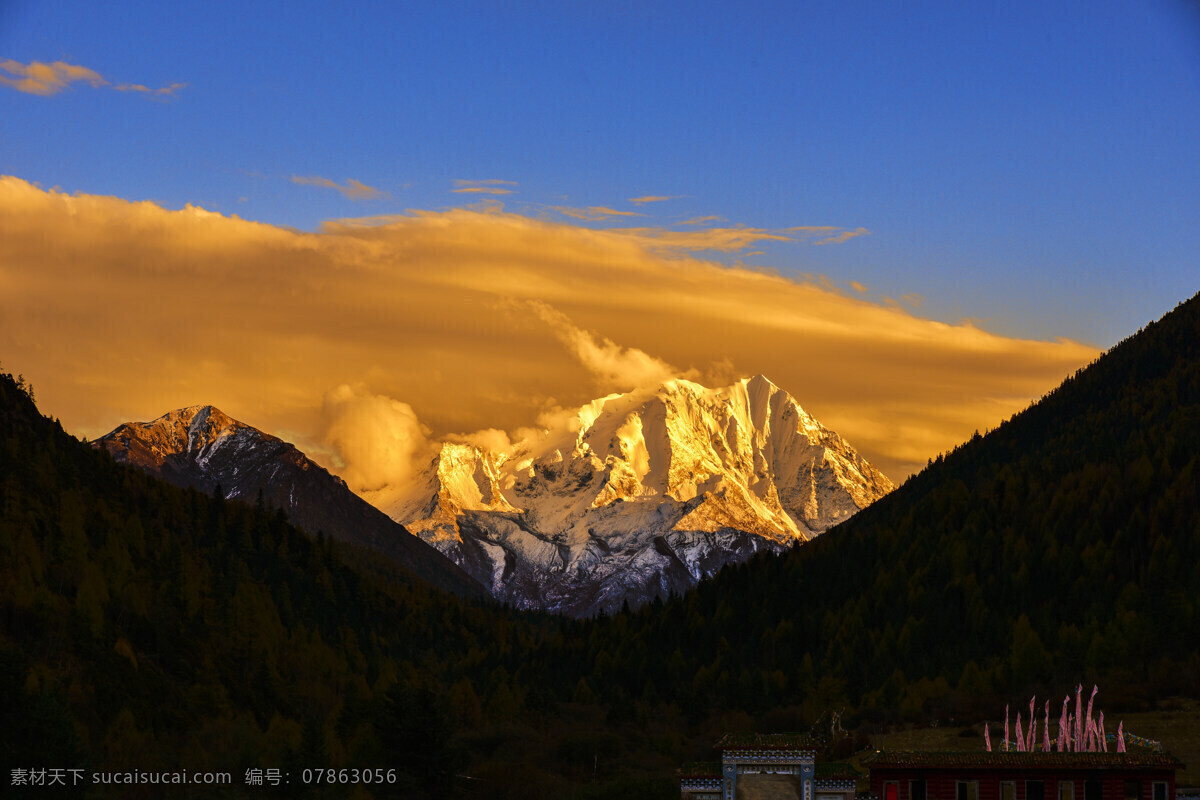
[[1121, 736], [1088, 724], [1020, 736], [1046, 730], [987, 738], [1062, 726], [1006, 727], [1032, 724], [1103, 738], [1078, 717]]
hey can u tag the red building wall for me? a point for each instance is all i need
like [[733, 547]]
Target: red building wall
[[942, 783]]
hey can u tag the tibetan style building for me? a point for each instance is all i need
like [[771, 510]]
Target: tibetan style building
[[1013, 775], [785, 765]]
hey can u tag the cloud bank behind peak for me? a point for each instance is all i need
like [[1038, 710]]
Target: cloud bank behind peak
[[122, 310]]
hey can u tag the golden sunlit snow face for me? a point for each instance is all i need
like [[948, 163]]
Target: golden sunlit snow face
[[418, 326]]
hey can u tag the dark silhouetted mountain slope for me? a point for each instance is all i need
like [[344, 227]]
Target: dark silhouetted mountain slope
[[204, 448], [148, 627]]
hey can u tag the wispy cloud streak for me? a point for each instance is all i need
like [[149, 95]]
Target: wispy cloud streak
[[654, 198], [593, 213], [489, 186], [351, 189], [161, 92], [845, 236]]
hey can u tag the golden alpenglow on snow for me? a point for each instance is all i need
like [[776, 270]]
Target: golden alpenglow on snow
[[635, 495]]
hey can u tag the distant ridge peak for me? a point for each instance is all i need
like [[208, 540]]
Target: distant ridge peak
[[205, 416], [187, 417]]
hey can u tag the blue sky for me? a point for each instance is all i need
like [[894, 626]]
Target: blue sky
[[1030, 165], [963, 201]]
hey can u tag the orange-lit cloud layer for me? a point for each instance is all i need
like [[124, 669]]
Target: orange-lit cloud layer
[[365, 342], [44, 79], [353, 190]]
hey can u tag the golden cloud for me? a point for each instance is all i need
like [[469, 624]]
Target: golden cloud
[[353, 190], [420, 326], [46, 79], [378, 441]]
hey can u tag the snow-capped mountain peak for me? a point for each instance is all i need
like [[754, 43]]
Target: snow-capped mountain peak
[[671, 484]]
